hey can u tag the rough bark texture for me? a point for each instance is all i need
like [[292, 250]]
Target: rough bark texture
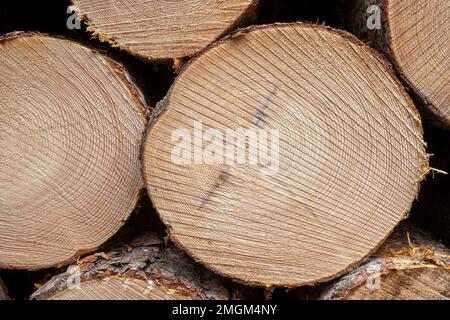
[[3, 291], [161, 30], [414, 36], [71, 127], [144, 269], [346, 127], [357, 19], [409, 265]]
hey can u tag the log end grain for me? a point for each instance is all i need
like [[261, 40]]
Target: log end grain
[[347, 167], [418, 39], [71, 128], [160, 30]]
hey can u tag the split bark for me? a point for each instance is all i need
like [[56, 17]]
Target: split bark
[[144, 269], [71, 127], [336, 142], [409, 266]]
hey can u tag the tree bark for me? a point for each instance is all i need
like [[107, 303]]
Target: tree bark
[[144, 269], [71, 129], [341, 155], [409, 266], [158, 30], [3, 291], [413, 35]]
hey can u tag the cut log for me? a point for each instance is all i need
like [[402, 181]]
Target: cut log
[[144, 270], [415, 36], [284, 155], [158, 30], [70, 134], [409, 266], [3, 291]]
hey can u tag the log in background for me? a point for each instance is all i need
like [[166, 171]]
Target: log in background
[[156, 78]]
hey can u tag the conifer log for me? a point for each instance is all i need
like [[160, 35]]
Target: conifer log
[[71, 127], [145, 269], [343, 161], [409, 266], [414, 35], [159, 30]]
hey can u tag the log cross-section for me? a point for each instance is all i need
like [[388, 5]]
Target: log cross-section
[[156, 29], [71, 128], [418, 37], [339, 162], [415, 36]]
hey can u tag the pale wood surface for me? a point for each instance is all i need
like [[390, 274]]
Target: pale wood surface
[[418, 36], [116, 288], [411, 284], [156, 29], [71, 126], [351, 155]]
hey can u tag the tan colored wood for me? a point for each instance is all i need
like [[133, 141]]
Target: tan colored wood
[[155, 29], [414, 35], [409, 266], [351, 155], [71, 126], [419, 43], [412, 284], [116, 288], [144, 270]]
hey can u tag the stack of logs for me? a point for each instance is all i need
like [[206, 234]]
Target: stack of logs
[[283, 155]]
